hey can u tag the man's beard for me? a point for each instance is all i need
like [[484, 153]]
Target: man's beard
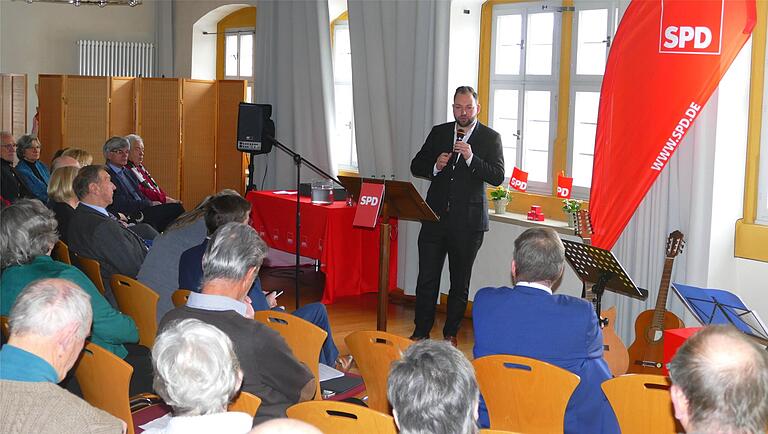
[[468, 123]]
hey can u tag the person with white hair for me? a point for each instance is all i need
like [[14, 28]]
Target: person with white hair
[[270, 370], [433, 389], [197, 373], [720, 383], [32, 171], [12, 187], [147, 183], [49, 323]]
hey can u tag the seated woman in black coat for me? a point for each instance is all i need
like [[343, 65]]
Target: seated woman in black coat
[[61, 198]]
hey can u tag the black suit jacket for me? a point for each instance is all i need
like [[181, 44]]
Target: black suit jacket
[[96, 236], [461, 187], [122, 200]]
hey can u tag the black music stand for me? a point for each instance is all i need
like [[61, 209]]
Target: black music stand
[[717, 306], [593, 264]]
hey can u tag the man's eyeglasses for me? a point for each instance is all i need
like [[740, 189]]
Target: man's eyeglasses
[[9, 145], [119, 151], [467, 108]]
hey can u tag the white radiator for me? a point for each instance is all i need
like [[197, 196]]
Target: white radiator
[[114, 58]]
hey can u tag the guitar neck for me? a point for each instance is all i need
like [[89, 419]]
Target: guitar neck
[[661, 300]]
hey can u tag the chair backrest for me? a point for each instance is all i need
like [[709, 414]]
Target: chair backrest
[[374, 352], [246, 403], [495, 431], [61, 252], [304, 338], [5, 326], [104, 379], [642, 403], [524, 394], [92, 269], [342, 417], [180, 296], [140, 303]]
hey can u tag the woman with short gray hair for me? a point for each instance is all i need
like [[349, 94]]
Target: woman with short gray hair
[[33, 173], [197, 373]]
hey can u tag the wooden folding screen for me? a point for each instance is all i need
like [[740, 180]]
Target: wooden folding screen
[[50, 95], [122, 108], [230, 163], [86, 114], [159, 117], [199, 133], [13, 110]]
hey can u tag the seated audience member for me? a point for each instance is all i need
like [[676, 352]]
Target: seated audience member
[[147, 185], [97, 234], [83, 157], [285, 426], [432, 389], [720, 383], [32, 171], [13, 188], [63, 161], [128, 199], [49, 323], [160, 269], [528, 320], [233, 208], [270, 370], [62, 198], [197, 373], [27, 235]]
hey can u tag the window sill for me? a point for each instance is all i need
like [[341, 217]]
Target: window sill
[[750, 241], [522, 220], [551, 206]]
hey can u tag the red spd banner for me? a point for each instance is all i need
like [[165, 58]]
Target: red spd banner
[[667, 58], [367, 213], [519, 180], [564, 186]]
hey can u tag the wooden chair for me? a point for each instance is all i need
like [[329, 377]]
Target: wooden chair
[[180, 296], [304, 338], [342, 417], [374, 352], [104, 380], [61, 252], [642, 403], [245, 402], [140, 303], [5, 326], [524, 394], [92, 269], [495, 431]]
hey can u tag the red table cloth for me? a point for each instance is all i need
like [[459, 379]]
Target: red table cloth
[[349, 256]]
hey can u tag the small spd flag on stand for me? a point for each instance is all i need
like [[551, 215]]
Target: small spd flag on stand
[[564, 186], [368, 205], [519, 180]]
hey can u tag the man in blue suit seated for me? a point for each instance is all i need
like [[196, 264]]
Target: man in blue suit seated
[[231, 208], [529, 320]]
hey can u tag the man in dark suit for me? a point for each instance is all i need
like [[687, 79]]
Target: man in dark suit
[[128, 198], [97, 234], [528, 320], [459, 158]]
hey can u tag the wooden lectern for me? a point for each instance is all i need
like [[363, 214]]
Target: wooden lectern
[[401, 200]]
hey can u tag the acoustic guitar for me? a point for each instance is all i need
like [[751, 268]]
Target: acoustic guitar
[[646, 354], [614, 350]]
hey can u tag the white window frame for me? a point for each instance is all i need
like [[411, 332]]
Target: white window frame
[[584, 82], [250, 79], [525, 83], [348, 162]]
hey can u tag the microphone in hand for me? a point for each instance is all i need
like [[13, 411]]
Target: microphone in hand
[[459, 138]]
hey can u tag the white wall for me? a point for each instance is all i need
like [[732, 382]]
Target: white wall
[[41, 38]]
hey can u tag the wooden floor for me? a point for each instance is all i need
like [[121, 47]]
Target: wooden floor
[[349, 314]]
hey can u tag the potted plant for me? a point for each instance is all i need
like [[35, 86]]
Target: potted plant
[[500, 197], [571, 207]]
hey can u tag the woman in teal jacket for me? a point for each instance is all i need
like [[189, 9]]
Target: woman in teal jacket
[[33, 173], [27, 235]]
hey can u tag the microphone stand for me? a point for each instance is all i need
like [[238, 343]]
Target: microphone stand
[[298, 160]]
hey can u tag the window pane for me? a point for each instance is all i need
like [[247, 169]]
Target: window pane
[[538, 52], [508, 39], [590, 50], [505, 104], [584, 127], [249, 92], [344, 150], [342, 55], [246, 55], [536, 135], [230, 49]]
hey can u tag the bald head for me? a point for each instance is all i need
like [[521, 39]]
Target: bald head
[[285, 426], [720, 382]]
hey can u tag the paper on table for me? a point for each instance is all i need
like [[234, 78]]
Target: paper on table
[[159, 423], [328, 373], [284, 192]]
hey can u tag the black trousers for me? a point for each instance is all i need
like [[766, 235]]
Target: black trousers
[[140, 359], [436, 241], [160, 216]]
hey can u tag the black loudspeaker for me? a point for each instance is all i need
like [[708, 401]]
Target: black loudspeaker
[[255, 129]]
